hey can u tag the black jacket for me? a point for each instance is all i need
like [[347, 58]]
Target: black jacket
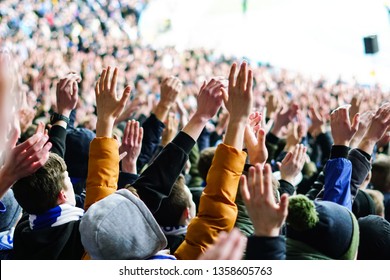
[[56, 243]]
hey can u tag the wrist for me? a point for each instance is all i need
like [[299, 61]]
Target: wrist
[[276, 130], [341, 143], [129, 166], [367, 145], [267, 232], [104, 127], [64, 112]]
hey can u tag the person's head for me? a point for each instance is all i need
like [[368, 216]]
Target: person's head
[[363, 205], [120, 227], [48, 187], [320, 230], [374, 238], [378, 198], [205, 160], [380, 178], [178, 208]]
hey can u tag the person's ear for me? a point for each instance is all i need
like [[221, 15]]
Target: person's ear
[[61, 197], [185, 216]]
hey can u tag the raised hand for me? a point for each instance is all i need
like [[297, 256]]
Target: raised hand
[[238, 102], [266, 215], [272, 103], [254, 139], [342, 129], [133, 107], [170, 89], [365, 120], [24, 159], [170, 129], [131, 145], [238, 99], [318, 122], [283, 117], [356, 103], [228, 247], [378, 126], [292, 163], [109, 104], [67, 94]]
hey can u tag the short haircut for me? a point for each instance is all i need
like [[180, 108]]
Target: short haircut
[[205, 160], [380, 178], [378, 199], [39, 192], [172, 207]]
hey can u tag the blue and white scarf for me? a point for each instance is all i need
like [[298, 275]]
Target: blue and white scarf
[[162, 255], [7, 239], [174, 230], [59, 215]]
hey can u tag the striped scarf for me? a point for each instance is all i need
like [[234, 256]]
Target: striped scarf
[[7, 239], [59, 215]]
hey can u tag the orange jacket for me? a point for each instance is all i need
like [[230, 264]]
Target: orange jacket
[[103, 170], [217, 209]]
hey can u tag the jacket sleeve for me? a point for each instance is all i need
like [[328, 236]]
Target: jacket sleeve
[[153, 129], [103, 170], [156, 182], [266, 248], [57, 137], [324, 142], [217, 210], [361, 166], [338, 171]]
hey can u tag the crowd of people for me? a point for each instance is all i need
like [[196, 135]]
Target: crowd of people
[[111, 149]]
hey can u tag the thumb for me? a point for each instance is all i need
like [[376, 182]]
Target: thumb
[[355, 123], [261, 137], [225, 96], [283, 205]]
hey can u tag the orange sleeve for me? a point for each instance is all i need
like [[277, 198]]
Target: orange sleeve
[[103, 170], [217, 209]]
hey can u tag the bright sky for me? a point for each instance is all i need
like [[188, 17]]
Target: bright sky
[[312, 36]]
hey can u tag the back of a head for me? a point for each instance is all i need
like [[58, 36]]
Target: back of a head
[[77, 151], [205, 160], [172, 207], [374, 238], [120, 226], [363, 205], [378, 198], [326, 229], [39, 192], [381, 173]]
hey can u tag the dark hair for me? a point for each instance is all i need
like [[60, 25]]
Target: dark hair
[[39, 192], [380, 178], [172, 207], [205, 160]]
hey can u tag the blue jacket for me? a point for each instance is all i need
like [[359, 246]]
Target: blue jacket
[[338, 172]]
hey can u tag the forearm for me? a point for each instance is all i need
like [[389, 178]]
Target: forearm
[[161, 111], [195, 126], [367, 146], [235, 134], [104, 127]]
